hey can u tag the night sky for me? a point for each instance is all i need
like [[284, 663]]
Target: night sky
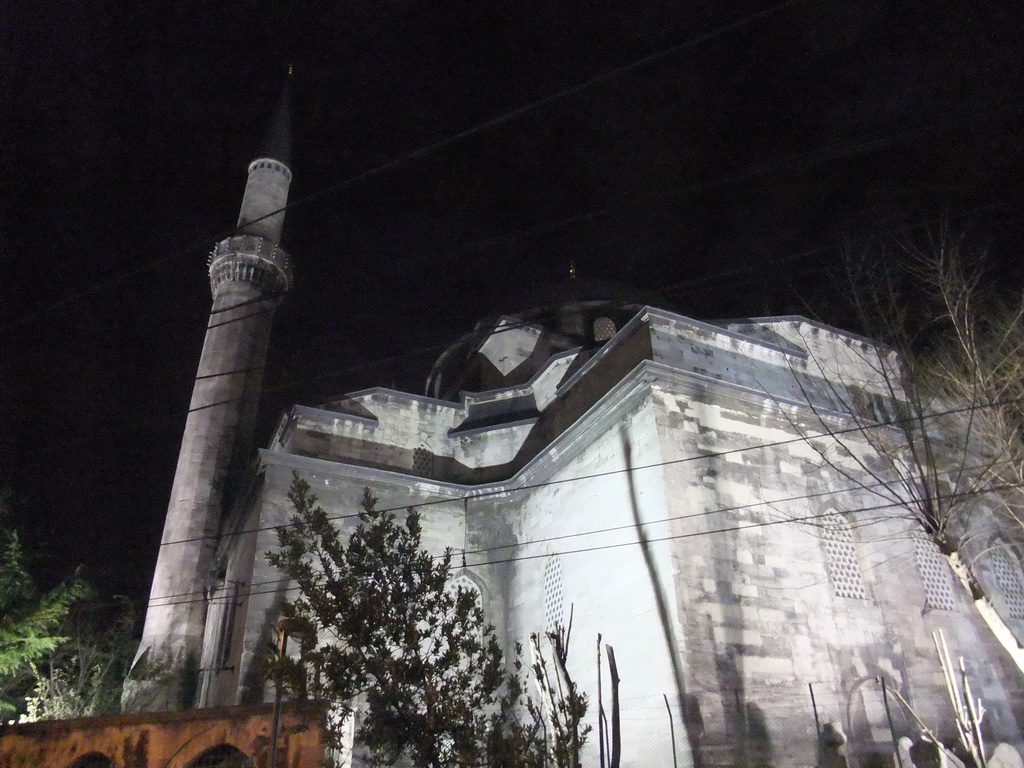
[[722, 171]]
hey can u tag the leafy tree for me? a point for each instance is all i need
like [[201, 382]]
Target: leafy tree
[[84, 676], [30, 620], [379, 625]]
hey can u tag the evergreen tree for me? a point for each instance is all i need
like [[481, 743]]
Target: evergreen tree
[[84, 675], [379, 625], [30, 620]]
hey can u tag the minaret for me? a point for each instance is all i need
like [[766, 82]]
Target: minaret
[[249, 273]]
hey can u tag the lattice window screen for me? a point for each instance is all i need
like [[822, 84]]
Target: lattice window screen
[[604, 328], [1009, 581], [554, 596], [422, 461], [843, 566], [464, 582], [935, 575]]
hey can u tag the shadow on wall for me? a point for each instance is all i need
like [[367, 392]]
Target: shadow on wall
[[758, 740], [671, 644], [746, 726], [252, 687]]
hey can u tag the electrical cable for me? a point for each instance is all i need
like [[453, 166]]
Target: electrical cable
[[832, 492], [503, 491], [620, 545], [871, 141], [283, 386], [409, 156], [860, 428], [601, 531]]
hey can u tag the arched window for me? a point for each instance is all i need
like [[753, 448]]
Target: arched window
[[841, 557], [462, 581], [554, 595], [935, 574], [223, 756], [1009, 583], [604, 328], [94, 760]]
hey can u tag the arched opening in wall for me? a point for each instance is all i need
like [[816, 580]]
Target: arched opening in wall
[[841, 558], [554, 595], [222, 756], [93, 760], [604, 329], [465, 582]]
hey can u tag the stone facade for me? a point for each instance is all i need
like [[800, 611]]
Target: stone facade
[[674, 486], [779, 575]]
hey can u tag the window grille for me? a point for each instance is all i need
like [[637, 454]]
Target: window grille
[[422, 461], [604, 329], [841, 558], [935, 575], [1009, 582], [462, 581], [554, 595]]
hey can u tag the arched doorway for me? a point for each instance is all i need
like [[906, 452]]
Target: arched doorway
[[222, 756], [93, 760]]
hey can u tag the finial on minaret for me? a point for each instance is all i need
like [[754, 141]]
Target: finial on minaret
[[277, 144], [266, 191]]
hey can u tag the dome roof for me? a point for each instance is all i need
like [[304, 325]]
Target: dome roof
[[548, 319]]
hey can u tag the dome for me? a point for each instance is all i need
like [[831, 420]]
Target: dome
[[507, 348]]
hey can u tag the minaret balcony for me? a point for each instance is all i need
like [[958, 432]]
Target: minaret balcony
[[250, 259]]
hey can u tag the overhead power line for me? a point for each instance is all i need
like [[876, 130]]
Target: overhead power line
[[623, 544], [867, 487], [280, 387], [415, 154], [606, 473], [858, 428]]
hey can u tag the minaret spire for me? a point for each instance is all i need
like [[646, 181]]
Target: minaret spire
[[249, 273], [266, 193]]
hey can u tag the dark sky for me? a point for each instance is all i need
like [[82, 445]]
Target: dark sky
[[722, 174]]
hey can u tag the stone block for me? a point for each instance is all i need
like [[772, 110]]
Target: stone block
[[735, 636]]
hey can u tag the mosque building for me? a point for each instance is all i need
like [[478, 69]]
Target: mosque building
[[698, 494]]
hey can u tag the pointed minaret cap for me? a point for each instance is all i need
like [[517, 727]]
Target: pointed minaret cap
[[277, 143]]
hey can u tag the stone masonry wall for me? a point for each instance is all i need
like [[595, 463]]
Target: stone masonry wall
[[579, 548], [768, 611], [339, 488]]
